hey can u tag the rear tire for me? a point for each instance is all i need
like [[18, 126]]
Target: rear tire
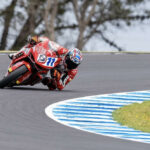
[[13, 76]]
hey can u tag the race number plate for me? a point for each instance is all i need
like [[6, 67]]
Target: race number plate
[[50, 62]]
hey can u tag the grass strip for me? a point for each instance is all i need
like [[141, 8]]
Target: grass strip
[[136, 115]]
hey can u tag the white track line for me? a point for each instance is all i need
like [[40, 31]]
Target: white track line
[[94, 114]]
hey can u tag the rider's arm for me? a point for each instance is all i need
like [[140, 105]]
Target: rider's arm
[[66, 78], [62, 51]]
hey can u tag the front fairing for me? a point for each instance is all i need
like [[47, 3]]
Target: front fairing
[[22, 54], [44, 56]]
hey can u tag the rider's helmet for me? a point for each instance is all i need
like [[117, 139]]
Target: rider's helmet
[[73, 58]]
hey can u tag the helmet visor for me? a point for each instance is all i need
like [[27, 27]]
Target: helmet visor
[[70, 64]]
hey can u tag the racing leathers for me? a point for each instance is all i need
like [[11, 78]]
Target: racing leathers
[[60, 76]]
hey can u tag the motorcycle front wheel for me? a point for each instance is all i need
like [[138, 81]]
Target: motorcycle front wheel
[[13, 76]]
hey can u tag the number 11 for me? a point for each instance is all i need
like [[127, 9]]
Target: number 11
[[51, 62]]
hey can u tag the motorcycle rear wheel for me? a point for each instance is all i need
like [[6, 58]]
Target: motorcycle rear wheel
[[13, 76]]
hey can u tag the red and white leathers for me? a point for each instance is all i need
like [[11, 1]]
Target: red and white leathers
[[65, 75]]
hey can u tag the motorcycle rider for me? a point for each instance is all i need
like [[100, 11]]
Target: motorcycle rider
[[63, 73]]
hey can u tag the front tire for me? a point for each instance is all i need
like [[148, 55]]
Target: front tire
[[13, 76]]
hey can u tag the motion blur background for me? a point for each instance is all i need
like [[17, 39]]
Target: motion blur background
[[97, 25]]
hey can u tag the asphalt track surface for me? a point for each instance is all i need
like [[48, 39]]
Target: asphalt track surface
[[24, 125]]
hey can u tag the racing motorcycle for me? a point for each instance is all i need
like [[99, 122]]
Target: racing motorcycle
[[30, 65]]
